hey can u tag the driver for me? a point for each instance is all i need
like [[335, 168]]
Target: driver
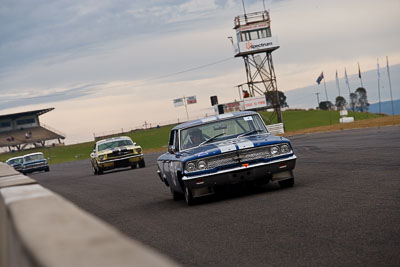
[[195, 137]]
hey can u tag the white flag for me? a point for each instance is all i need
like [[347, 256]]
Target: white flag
[[178, 102]]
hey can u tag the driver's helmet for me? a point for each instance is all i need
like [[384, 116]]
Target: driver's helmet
[[196, 136]]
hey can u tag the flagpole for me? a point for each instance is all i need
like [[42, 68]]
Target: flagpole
[[379, 86], [326, 93], [317, 99], [347, 80], [184, 101], [337, 83], [390, 84]]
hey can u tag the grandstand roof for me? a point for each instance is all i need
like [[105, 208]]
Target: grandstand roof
[[26, 113], [37, 134]]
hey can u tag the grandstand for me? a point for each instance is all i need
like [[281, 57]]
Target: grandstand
[[22, 130]]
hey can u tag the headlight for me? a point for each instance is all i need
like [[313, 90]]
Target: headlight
[[274, 150], [190, 167], [201, 165], [101, 157], [285, 149], [138, 150]]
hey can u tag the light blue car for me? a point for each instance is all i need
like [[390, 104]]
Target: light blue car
[[34, 162]]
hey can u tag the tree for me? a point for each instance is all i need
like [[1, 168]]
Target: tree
[[325, 105], [362, 101], [340, 102], [353, 101], [282, 98]]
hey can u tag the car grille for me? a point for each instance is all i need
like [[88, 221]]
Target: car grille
[[35, 165], [232, 157], [119, 153]]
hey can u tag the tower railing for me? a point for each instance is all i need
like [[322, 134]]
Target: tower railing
[[251, 18]]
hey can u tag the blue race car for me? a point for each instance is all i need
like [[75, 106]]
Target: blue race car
[[224, 149], [34, 162]]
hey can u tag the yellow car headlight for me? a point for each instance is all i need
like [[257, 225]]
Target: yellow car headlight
[[102, 157], [138, 150]]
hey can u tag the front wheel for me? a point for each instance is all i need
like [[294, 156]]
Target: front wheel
[[175, 195], [142, 164], [94, 170], [287, 183], [189, 197], [99, 170]]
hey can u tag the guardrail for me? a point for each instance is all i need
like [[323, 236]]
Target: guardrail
[[39, 228], [276, 128]]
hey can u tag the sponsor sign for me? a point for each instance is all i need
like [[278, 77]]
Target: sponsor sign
[[178, 102], [260, 25], [191, 100], [268, 43], [255, 102], [233, 106]]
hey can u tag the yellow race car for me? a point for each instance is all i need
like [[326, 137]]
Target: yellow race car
[[116, 152]]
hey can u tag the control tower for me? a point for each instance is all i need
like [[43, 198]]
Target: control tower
[[255, 44]]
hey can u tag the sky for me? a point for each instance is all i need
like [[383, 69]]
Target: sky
[[110, 65]]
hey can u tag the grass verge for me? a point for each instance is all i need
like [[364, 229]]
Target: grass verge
[[155, 139]]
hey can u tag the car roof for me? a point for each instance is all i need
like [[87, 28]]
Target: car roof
[[32, 154], [213, 118], [114, 139]]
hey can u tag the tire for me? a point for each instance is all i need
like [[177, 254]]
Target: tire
[[99, 170], [142, 164], [287, 183], [175, 195], [94, 170], [47, 169], [189, 197]]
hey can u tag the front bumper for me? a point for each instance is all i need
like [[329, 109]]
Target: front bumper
[[35, 168], [276, 170], [120, 162]]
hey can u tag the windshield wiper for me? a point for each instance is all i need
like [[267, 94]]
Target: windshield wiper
[[212, 138], [250, 133]]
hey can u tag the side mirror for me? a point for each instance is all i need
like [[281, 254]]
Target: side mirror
[[171, 149]]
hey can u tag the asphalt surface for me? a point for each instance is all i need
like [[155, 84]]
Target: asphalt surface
[[344, 209]]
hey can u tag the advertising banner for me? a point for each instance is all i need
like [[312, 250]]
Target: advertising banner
[[255, 102], [191, 100], [263, 44]]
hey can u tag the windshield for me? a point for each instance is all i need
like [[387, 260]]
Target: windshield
[[15, 161], [33, 157], [221, 130], [113, 144]]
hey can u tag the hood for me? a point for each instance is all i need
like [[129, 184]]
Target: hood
[[232, 145]]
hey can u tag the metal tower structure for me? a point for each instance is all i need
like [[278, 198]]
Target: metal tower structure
[[255, 45]]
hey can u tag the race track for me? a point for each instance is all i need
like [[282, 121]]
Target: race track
[[344, 209]]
